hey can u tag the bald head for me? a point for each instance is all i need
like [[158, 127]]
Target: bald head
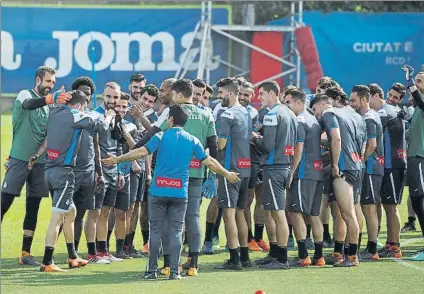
[[165, 91]]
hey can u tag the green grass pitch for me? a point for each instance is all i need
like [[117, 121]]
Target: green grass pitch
[[377, 277]]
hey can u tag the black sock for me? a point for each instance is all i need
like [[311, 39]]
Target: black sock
[[132, 234], [302, 251], [346, 250], [72, 254], [244, 253], [145, 234], [194, 259], [166, 260], [185, 238], [338, 247], [76, 242], [282, 254], [318, 250], [308, 231], [119, 245], [273, 250], [234, 255], [217, 223], [127, 240], [91, 248], [109, 233], [101, 245], [411, 219], [48, 255], [327, 236], [249, 235], [259, 232], [378, 232], [353, 249], [27, 243], [209, 231], [359, 241], [372, 247], [290, 231]]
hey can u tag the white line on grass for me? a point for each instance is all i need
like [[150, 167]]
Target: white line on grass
[[407, 264]]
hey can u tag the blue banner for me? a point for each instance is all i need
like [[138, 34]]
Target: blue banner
[[152, 41], [356, 48]]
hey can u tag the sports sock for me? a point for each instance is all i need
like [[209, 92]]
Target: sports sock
[[234, 255], [119, 244], [76, 242], [346, 249], [308, 231], [327, 236], [101, 246], [338, 247], [244, 253], [318, 250], [27, 243], [166, 260], [209, 231], [290, 231], [372, 247], [353, 249], [282, 254], [72, 254], [194, 259], [109, 233], [185, 238], [145, 234], [302, 251], [259, 232], [217, 223], [48, 255], [378, 232], [411, 219], [273, 250], [91, 248], [249, 235], [359, 241], [132, 238]]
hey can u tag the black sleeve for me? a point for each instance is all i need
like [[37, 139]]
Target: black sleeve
[[213, 147], [31, 104], [147, 137], [418, 99]]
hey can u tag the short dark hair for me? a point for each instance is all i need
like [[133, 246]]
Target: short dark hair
[[209, 89], [270, 86], [42, 70], [240, 79], [400, 88], [230, 84], [337, 94], [362, 91], [125, 96], [376, 89], [179, 114], [137, 77], [296, 93], [78, 96], [199, 83], [248, 85], [152, 90], [183, 86], [86, 81], [321, 98]]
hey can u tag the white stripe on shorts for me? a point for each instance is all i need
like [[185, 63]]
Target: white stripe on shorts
[[61, 195], [372, 187], [299, 194], [421, 176], [393, 187], [228, 194], [273, 194]]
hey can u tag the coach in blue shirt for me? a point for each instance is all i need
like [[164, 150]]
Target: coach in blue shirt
[[169, 189]]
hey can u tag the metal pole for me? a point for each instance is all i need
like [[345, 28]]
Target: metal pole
[[300, 23], [196, 30], [93, 71], [203, 44], [248, 20], [291, 43], [209, 54]]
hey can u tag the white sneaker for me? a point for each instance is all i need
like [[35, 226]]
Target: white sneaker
[[112, 258], [93, 259]]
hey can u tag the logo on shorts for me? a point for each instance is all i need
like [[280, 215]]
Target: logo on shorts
[[244, 163], [53, 154], [355, 157], [5, 185], [289, 150], [401, 153], [380, 160], [67, 202], [318, 165], [195, 163], [168, 183]]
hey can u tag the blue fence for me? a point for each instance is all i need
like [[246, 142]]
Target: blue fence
[[152, 41]]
